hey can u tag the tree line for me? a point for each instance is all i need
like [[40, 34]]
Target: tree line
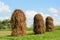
[[4, 24]]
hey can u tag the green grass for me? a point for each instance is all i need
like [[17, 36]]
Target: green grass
[[55, 35]]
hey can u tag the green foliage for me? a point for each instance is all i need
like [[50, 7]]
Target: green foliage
[[5, 24]]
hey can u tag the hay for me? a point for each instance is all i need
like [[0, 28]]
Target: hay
[[49, 24], [18, 23], [39, 26]]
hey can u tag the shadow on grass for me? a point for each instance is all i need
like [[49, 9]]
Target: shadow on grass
[[20, 36], [8, 36], [11, 36], [30, 34]]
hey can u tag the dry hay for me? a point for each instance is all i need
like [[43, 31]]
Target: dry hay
[[18, 23], [49, 24], [39, 27]]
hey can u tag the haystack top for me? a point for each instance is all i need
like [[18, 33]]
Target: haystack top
[[38, 16], [18, 10], [49, 18]]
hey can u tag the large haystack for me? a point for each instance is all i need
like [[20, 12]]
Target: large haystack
[[49, 24], [39, 26], [18, 23]]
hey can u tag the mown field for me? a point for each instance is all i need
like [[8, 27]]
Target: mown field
[[55, 35]]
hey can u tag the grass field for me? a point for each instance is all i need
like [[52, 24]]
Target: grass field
[[55, 35]]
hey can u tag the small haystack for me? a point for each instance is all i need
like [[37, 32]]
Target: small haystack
[[39, 26], [49, 24]]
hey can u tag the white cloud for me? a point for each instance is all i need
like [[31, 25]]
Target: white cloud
[[45, 15], [4, 7], [31, 13], [56, 15], [5, 11], [30, 16], [53, 10], [3, 18], [57, 21]]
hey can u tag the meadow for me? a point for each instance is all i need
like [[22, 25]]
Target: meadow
[[54, 35]]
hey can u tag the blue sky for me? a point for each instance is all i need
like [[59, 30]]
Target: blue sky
[[32, 4], [30, 8]]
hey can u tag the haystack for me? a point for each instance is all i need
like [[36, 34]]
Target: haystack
[[49, 24], [18, 23], [39, 27]]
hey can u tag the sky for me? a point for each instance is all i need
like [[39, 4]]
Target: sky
[[31, 8]]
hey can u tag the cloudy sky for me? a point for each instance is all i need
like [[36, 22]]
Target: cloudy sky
[[30, 8]]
